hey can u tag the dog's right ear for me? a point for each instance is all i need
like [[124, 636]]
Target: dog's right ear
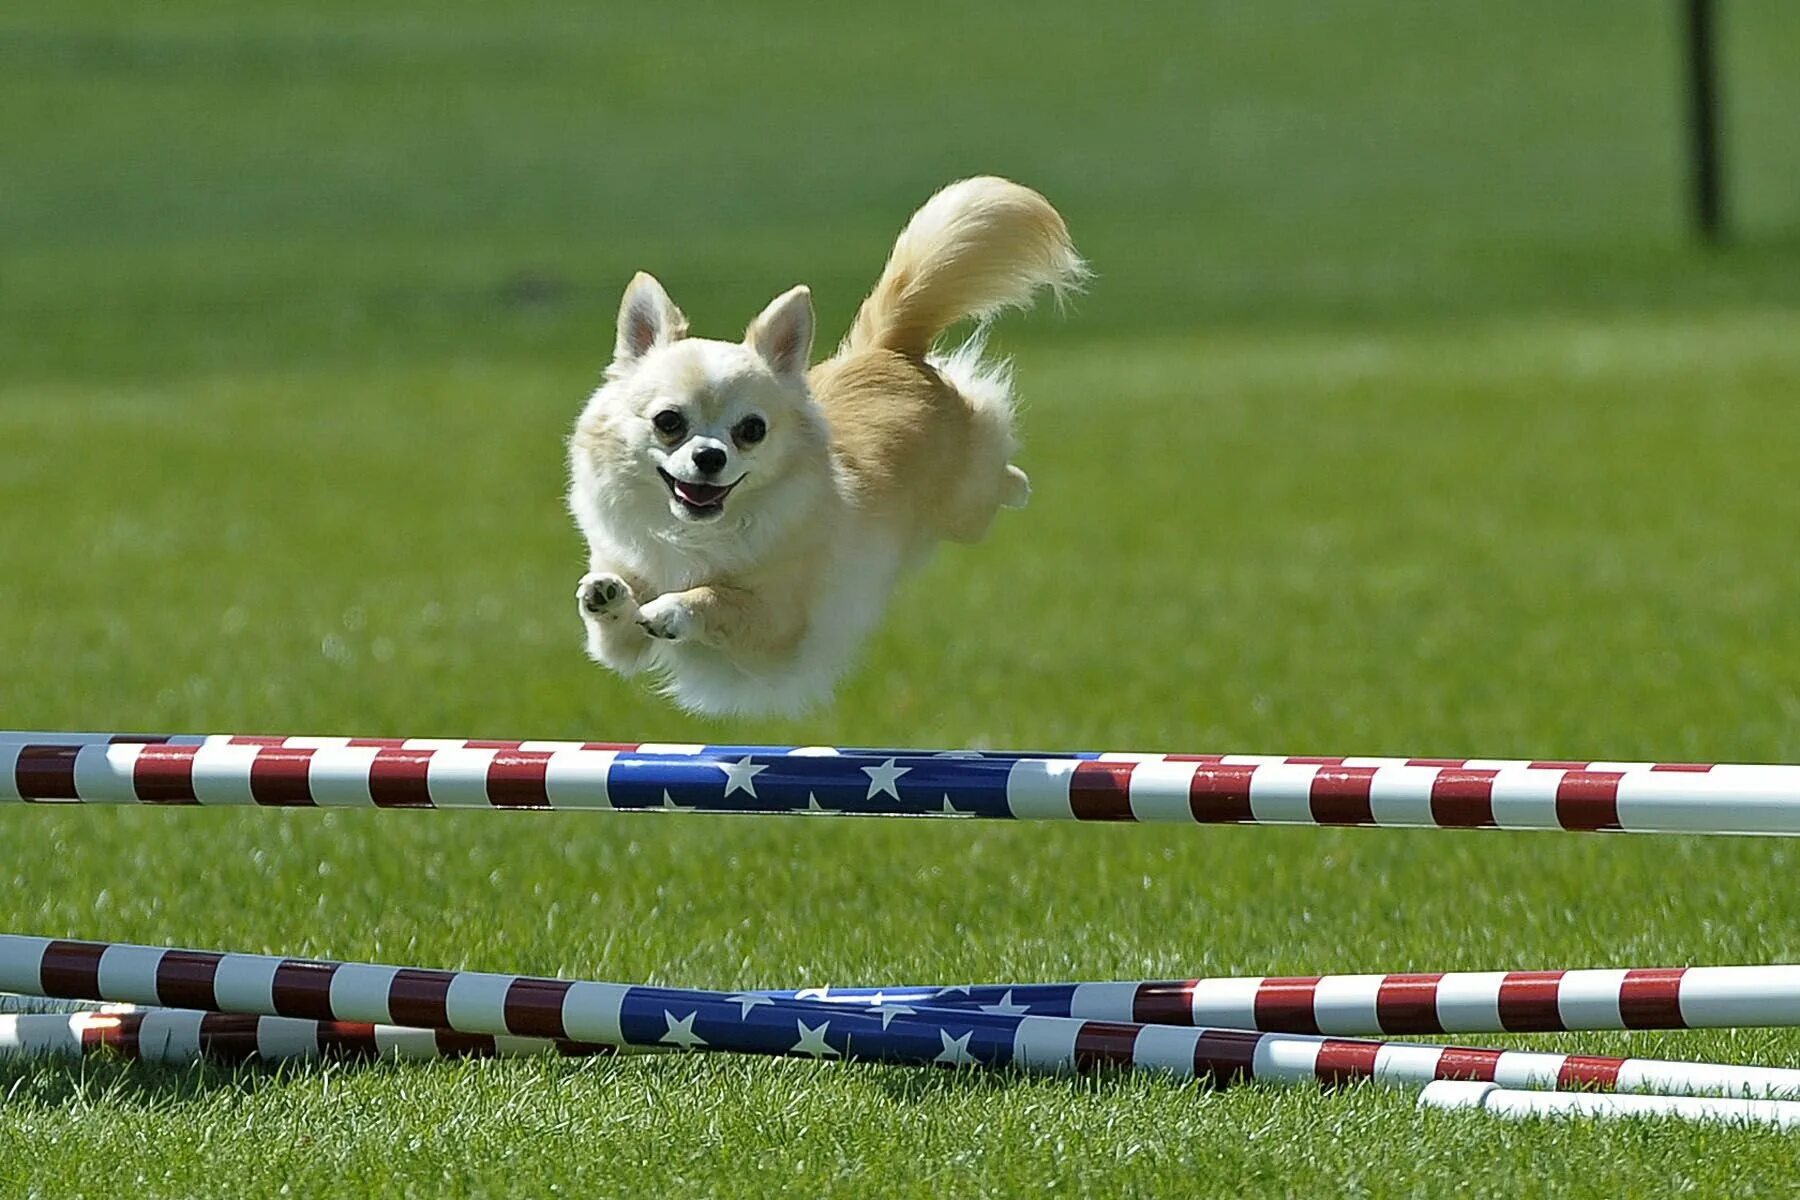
[[647, 319]]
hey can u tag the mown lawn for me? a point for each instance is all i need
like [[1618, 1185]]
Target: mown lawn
[[1400, 419]]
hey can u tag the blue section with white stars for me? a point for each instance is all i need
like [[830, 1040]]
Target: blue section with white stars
[[755, 1023], [928, 784]]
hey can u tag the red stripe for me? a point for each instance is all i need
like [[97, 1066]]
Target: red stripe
[[348, 1041], [1528, 1001], [71, 970], [1286, 1005], [117, 1032], [1408, 1004], [1588, 800], [534, 1007], [1463, 799], [1650, 998], [515, 779], [452, 1044], [1104, 1044], [1101, 791], [303, 989], [1557, 764], [1462, 1062], [1340, 796], [1219, 793], [46, 772], [184, 979], [397, 778], [1436, 762], [1164, 1003], [478, 744], [229, 1037], [1226, 1056], [279, 777], [1342, 1061], [1589, 1070], [137, 739], [419, 997], [165, 775], [610, 745], [1697, 768]]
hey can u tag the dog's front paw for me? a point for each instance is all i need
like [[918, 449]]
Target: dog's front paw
[[603, 595], [669, 618]]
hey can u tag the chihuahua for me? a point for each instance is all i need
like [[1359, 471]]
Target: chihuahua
[[746, 516]]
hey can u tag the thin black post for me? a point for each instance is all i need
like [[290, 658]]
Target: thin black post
[[1703, 121]]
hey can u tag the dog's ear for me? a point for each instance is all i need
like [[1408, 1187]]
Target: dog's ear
[[647, 319], [783, 333]]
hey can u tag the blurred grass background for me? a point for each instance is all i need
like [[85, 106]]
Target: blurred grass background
[[1403, 417]]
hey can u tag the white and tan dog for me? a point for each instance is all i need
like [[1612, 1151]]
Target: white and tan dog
[[746, 519]]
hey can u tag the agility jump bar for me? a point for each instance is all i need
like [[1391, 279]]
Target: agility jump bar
[[279, 772]]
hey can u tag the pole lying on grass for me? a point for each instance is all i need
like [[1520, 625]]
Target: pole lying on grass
[[655, 1018], [1451, 1002], [1185, 789], [1437, 1002], [180, 1036], [1520, 1105]]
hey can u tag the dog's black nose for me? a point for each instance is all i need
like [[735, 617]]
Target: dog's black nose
[[710, 460]]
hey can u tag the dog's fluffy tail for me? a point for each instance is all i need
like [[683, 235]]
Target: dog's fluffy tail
[[978, 247]]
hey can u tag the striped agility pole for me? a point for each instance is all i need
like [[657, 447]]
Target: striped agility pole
[[1523, 1105], [180, 1036], [657, 1018], [1188, 789], [1451, 1002], [1455, 1002]]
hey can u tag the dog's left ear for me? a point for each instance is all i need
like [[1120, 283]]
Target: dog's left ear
[[782, 334]]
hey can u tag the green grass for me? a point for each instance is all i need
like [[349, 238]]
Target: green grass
[[1400, 420]]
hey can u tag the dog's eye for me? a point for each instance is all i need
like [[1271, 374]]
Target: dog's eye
[[669, 423], [750, 431]]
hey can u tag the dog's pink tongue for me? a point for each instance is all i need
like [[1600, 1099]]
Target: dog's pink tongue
[[700, 494]]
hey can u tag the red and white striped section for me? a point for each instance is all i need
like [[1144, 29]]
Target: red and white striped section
[[1523, 1105], [172, 1035], [1412, 793], [1461, 1001]]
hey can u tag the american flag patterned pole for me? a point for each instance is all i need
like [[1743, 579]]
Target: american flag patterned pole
[[1449, 1002], [1183, 789], [658, 1018], [1452, 1002]]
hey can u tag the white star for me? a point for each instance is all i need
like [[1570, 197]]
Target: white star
[[951, 991], [814, 993], [1006, 1008], [956, 1050], [747, 1001], [681, 1033], [740, 776], [884, 778], [813, 806], [950, 810], [669, 805], [812, 1041], [890, 1011]]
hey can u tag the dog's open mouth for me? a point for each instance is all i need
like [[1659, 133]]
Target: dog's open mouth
[[700, 499]]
